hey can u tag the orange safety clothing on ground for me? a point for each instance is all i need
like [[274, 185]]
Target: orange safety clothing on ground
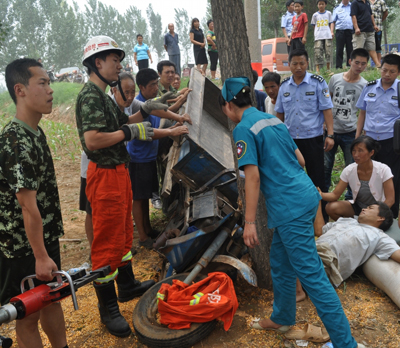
[[211, 298], [110, 195]]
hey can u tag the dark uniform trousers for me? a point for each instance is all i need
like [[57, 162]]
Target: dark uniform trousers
[[343, 38], [387, 155]]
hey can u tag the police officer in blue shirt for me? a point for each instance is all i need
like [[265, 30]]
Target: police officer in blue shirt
[[344, 31], [270, 160], [379, 109], [303, 104], [286, 22]]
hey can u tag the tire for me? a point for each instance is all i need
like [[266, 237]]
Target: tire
[[155, 335]]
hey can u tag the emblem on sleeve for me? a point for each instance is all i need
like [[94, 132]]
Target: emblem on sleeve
[[241, 148], [325, 92]]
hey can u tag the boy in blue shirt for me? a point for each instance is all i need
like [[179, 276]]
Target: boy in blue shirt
[[269, 157], [143, 155]]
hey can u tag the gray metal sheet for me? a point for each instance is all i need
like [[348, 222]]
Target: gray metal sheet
[[210, 126]]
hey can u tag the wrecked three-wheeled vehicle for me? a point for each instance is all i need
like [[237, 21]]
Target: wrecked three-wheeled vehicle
[[204, 232]]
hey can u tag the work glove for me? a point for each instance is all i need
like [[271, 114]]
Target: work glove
[[141, 131], [159, 103]]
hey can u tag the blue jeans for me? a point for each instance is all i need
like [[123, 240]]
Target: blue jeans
[[294, 254], [343, 140]]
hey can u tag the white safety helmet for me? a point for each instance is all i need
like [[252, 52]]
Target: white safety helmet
[[100, 44]]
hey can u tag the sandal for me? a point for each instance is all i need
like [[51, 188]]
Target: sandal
[[255, 325], [309, 333]]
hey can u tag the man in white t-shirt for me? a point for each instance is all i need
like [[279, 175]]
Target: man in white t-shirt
[[321, 21], [345, 89]]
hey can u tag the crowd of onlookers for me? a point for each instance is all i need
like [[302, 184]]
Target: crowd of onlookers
[[358, 25], [201, 42]]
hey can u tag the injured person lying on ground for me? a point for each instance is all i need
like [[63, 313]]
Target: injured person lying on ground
[[347, 243]]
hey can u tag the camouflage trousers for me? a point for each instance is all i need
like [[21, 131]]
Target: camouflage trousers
[[321, 46]]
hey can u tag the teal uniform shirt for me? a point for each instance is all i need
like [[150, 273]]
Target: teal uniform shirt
[[263, 140]]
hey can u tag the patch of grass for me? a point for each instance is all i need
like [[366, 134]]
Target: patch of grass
[[64, 93], [62, 138]]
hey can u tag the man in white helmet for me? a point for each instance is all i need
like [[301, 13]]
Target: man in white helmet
[[102, 129]]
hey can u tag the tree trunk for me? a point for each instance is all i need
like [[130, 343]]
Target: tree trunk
[[230, 30], [251, 16]]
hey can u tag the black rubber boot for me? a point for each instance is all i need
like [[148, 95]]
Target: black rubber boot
[[109, 310], [128, 286]]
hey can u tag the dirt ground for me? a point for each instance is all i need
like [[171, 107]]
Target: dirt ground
[[373, 317]]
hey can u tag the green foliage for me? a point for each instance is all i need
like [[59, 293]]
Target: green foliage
[[369, 74], [182, 28], [62, 137], [271, 14], [64, 94], [157, 35], [207, 16], [57, 30], [393, 26]]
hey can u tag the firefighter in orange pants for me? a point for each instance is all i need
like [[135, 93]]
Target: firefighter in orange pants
[[102, 129]]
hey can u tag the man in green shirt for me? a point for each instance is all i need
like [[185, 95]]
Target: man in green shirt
[[30, 211]]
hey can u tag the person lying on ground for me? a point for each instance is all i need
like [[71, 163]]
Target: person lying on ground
[[370, 181], [353, 242]]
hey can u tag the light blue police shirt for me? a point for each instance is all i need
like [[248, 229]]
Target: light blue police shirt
[[286, 22], [303, 105], [264, 141], [382, 109], [341, 17]]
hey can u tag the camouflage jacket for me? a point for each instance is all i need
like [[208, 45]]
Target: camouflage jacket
[[95, 110], [25, 162], [162, 90]]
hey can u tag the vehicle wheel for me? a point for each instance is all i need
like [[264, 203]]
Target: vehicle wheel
[[155, 335]]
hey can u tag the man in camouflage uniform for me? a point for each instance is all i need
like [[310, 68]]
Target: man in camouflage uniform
[[103, 128], [30, 211]]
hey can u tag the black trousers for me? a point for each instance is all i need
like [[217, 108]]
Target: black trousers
[[295, 44], [387, 155], [343, 38], [312, 150], [143, 64]]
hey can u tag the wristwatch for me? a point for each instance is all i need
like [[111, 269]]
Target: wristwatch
[[330, 136]]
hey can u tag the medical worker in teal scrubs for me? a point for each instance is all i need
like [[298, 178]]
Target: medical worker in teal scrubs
[[269, 157]]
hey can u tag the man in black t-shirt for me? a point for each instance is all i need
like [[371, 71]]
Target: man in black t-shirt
[[364, 28]]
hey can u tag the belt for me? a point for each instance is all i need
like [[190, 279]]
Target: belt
[[111, 166]]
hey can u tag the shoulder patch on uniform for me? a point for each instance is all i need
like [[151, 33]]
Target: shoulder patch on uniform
[[284, 80], [318, 77], [370, 83], [325, 92], [241, 147]]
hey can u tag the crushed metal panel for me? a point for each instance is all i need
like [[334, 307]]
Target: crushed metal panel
[[210, 126]]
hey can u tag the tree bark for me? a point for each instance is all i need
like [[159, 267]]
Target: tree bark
[[230, 30], [251, 16]]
